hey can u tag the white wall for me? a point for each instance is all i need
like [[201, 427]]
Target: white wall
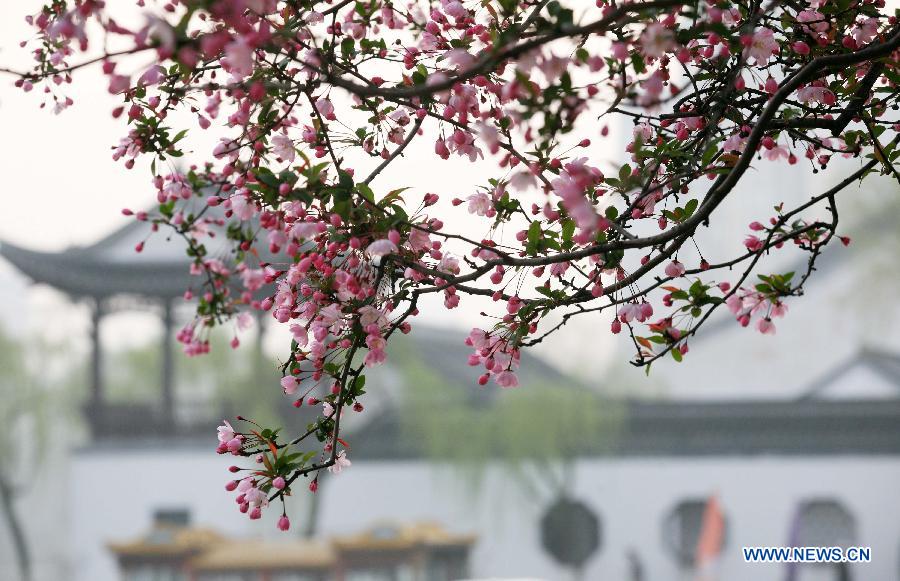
[[114, 494]]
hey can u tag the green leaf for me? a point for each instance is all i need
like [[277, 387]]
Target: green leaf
[[534, 232], [709, 154], [568, 231], [690, 207]]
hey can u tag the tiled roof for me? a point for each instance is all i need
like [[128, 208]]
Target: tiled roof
[[258, 555], [391, 537], [204, 550], [168, 541]]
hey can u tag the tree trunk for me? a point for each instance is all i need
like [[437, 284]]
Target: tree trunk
[[310, 527], [20, 545]]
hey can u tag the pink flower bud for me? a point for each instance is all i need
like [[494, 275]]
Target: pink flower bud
[[234, 445], [801, 47]]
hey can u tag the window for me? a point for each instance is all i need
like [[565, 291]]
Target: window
[[177, 517], [824, 523], [400, 573], [446, 566], [285, 576], [152, 573], [681, 530], [227, 576]]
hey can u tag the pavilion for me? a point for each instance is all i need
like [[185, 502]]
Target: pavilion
[[109, 276]]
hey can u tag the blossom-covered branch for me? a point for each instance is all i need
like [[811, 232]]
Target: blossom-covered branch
[[311, 102]]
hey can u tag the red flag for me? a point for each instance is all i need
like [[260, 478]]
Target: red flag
[[709, 545]]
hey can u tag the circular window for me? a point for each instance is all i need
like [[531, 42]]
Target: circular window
[[570, 532]]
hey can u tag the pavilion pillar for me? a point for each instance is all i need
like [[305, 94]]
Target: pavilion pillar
[[259, 353], [95, 404], [168, 368]]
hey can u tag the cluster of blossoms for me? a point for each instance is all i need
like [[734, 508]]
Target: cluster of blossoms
[[311, 101], [497, 355], [749, 303]]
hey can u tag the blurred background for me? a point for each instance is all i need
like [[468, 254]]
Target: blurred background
[[590, 470]]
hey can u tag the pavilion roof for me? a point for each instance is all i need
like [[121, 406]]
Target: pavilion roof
[[111, 266], [95, 272]]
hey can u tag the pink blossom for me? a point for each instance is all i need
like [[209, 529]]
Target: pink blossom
[[306, 230], [816, 94], [656, 40], [375, 357], [753, 243], [225, 432], [381, 247], [243, 207], [283, 147], [635, 311], [340, 462], [289, 384], [506, 379], [735, 304], [779, 309], [674, 269], [762, 46], [449, 263], [477, 339], [523, 181], [400, 116], [119, 83], [766, 326], [734, 143], [239, 59], [256, 498], [459, 58], [642, 132], [454, 8], [325, 108], [813, 21], [480, 204], [865, 30], [777, 152]]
